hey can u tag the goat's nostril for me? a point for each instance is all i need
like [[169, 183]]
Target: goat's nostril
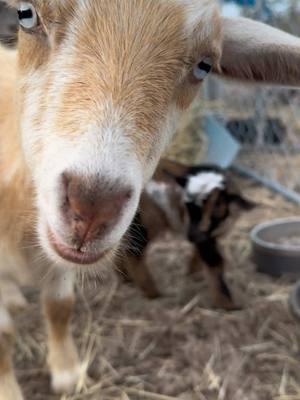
[[65, 179], [65, 204], [102, 228], [128, 194], [91, 207], [78, 218]]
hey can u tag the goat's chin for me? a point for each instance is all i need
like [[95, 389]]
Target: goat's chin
[[99, 263], [62, 255]]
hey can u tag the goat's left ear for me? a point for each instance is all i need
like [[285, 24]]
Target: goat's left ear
[[257, 52]]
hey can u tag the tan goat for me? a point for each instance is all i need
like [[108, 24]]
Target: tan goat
[[87, 105]]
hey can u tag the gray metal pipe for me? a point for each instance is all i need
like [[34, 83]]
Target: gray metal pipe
[[290, 195]]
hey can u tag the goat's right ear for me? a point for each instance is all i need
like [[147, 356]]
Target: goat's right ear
[[256, 52]]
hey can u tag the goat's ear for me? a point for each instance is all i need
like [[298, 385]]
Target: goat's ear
[[257, 52]]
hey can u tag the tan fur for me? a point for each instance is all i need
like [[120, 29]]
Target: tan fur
[[6, 345], [62, 352]]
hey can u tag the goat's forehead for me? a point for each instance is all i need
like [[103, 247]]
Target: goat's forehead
[[121, 46], [192, 7], [189, 10]]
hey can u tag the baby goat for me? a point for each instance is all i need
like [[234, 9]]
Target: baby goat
[[200, 202], [88, 103]]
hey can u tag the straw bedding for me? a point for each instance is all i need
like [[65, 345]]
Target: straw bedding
[[178, 347]]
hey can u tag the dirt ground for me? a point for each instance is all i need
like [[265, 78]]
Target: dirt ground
[[178, 347]]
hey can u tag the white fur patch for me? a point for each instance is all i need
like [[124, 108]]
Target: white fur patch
[[65, 381], [201, 185]]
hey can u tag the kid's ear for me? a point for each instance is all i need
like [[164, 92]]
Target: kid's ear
[[256, 52]]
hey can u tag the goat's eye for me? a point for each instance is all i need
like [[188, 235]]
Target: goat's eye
[[28, 17], [201, 70]]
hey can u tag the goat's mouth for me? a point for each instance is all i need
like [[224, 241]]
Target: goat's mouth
[[73, 255]]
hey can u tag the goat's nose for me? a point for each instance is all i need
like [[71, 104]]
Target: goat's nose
[[92, 207]]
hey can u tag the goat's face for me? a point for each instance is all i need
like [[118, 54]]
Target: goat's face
[[102, 84], [212, 202]]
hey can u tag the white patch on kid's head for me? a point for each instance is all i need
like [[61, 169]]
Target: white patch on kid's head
[[199, 186]]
